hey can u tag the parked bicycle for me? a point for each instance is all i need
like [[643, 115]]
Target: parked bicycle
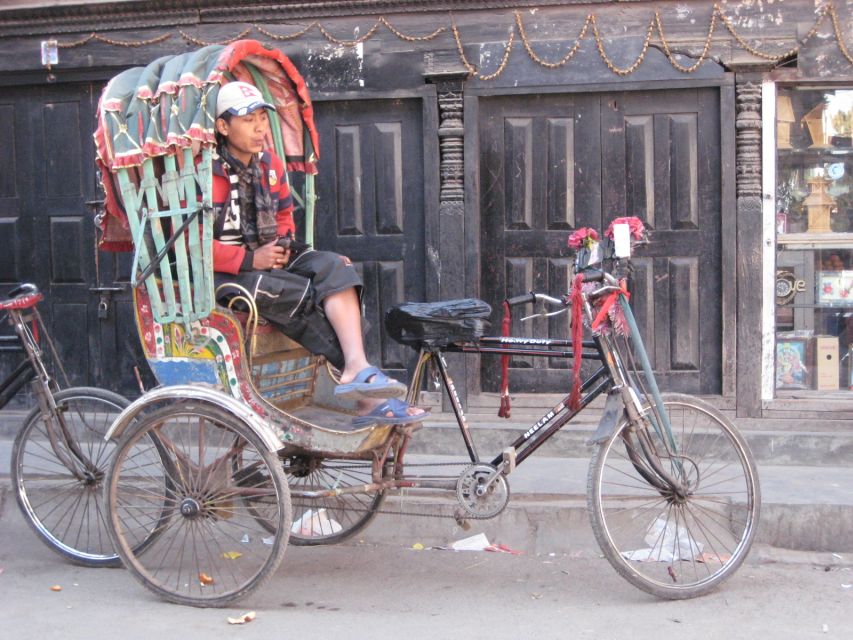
[[672, 490], [59, 457]]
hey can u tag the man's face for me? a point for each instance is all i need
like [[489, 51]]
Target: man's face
[[245, 135]]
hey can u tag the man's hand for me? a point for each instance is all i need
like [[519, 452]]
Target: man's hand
[[270, 256]]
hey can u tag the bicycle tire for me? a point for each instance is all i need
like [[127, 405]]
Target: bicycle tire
[[672, 546], [66, 512], [212, 550]]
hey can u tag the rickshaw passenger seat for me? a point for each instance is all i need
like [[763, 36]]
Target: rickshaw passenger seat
[[268, 339]]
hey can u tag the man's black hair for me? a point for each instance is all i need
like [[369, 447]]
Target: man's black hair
[[220, 139]]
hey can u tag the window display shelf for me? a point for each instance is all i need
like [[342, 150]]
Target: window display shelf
[[808, 240], [814, 240], [816, 153]]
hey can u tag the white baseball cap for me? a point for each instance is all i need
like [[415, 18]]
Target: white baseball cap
[[240, 98]]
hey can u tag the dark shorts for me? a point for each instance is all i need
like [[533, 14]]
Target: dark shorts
[[292, 298]]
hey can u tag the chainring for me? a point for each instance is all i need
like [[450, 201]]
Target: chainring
[[488, 504]]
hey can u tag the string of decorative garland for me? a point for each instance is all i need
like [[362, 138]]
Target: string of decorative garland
[[675, 63], [470, 67], [655, 24], [290, 36], [627, 70], [564, 59], [204, 43], [838, 39], [116, 43], [403, 36], [348, 43], [760, 54]]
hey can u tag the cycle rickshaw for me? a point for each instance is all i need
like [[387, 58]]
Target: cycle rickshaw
[[242, 449]]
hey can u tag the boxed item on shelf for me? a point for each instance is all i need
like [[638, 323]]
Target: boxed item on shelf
[[826, 363]]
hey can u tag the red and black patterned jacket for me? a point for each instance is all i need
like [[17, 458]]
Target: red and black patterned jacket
[[230, 258]]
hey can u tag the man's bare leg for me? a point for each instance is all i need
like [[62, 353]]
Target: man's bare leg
[[344, 314], [342, 310]]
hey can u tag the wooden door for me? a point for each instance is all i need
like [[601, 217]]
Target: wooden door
[[553, 163], [49, 236], [371, 204]]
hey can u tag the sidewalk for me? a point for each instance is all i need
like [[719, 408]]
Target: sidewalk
[[804, 508], [806, 480]]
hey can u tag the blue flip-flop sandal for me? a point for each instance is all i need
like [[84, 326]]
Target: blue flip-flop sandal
[[381, 386], [399, 414]]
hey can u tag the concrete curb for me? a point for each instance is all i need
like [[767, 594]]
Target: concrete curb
[[541, 526], [768, 447]]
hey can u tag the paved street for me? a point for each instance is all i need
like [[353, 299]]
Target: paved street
[[365, 590]]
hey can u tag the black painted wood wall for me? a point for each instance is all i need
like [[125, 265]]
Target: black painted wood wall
[[546, 150]]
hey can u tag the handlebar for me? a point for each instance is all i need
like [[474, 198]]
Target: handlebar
[[522, 299], [610, 283], [533, 297]]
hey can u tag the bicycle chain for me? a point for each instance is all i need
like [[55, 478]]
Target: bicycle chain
[[454, 512]]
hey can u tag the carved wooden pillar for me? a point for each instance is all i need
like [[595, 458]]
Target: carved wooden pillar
[[446, 249], [748, 125], [451, 207], [450, 137], [749, 244]]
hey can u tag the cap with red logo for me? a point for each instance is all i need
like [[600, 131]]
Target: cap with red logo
[[239, 99]]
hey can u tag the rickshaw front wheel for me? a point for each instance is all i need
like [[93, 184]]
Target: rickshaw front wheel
[[211, 549]]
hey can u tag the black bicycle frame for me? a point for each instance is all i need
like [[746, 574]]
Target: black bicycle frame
[[16, 381], [26, 371], [534, 437]]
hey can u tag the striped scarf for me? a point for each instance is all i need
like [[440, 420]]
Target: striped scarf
[[249, 214]]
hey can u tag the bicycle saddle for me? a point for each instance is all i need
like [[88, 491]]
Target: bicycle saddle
[[438, 323], [23, 296]]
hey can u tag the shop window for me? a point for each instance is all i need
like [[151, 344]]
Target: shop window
[[814, 239]]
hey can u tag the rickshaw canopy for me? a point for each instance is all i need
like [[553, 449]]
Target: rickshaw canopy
[[169, 106]]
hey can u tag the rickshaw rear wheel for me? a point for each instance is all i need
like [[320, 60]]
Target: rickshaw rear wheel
[[323, 520], [212, 550], [329, 520]]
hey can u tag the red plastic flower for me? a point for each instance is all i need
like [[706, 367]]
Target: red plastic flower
[[638, 229], [583, 237]]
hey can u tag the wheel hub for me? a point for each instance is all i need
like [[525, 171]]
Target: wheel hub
[[190, 508], [302, 466]]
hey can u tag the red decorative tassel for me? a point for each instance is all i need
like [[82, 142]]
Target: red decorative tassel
[[577, 341], [503, 412], [607, 304]]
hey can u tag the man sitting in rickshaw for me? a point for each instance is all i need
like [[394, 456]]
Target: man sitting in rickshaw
[[313, 297]]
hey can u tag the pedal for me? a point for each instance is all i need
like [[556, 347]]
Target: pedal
[[461, 520], [508, 457]]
